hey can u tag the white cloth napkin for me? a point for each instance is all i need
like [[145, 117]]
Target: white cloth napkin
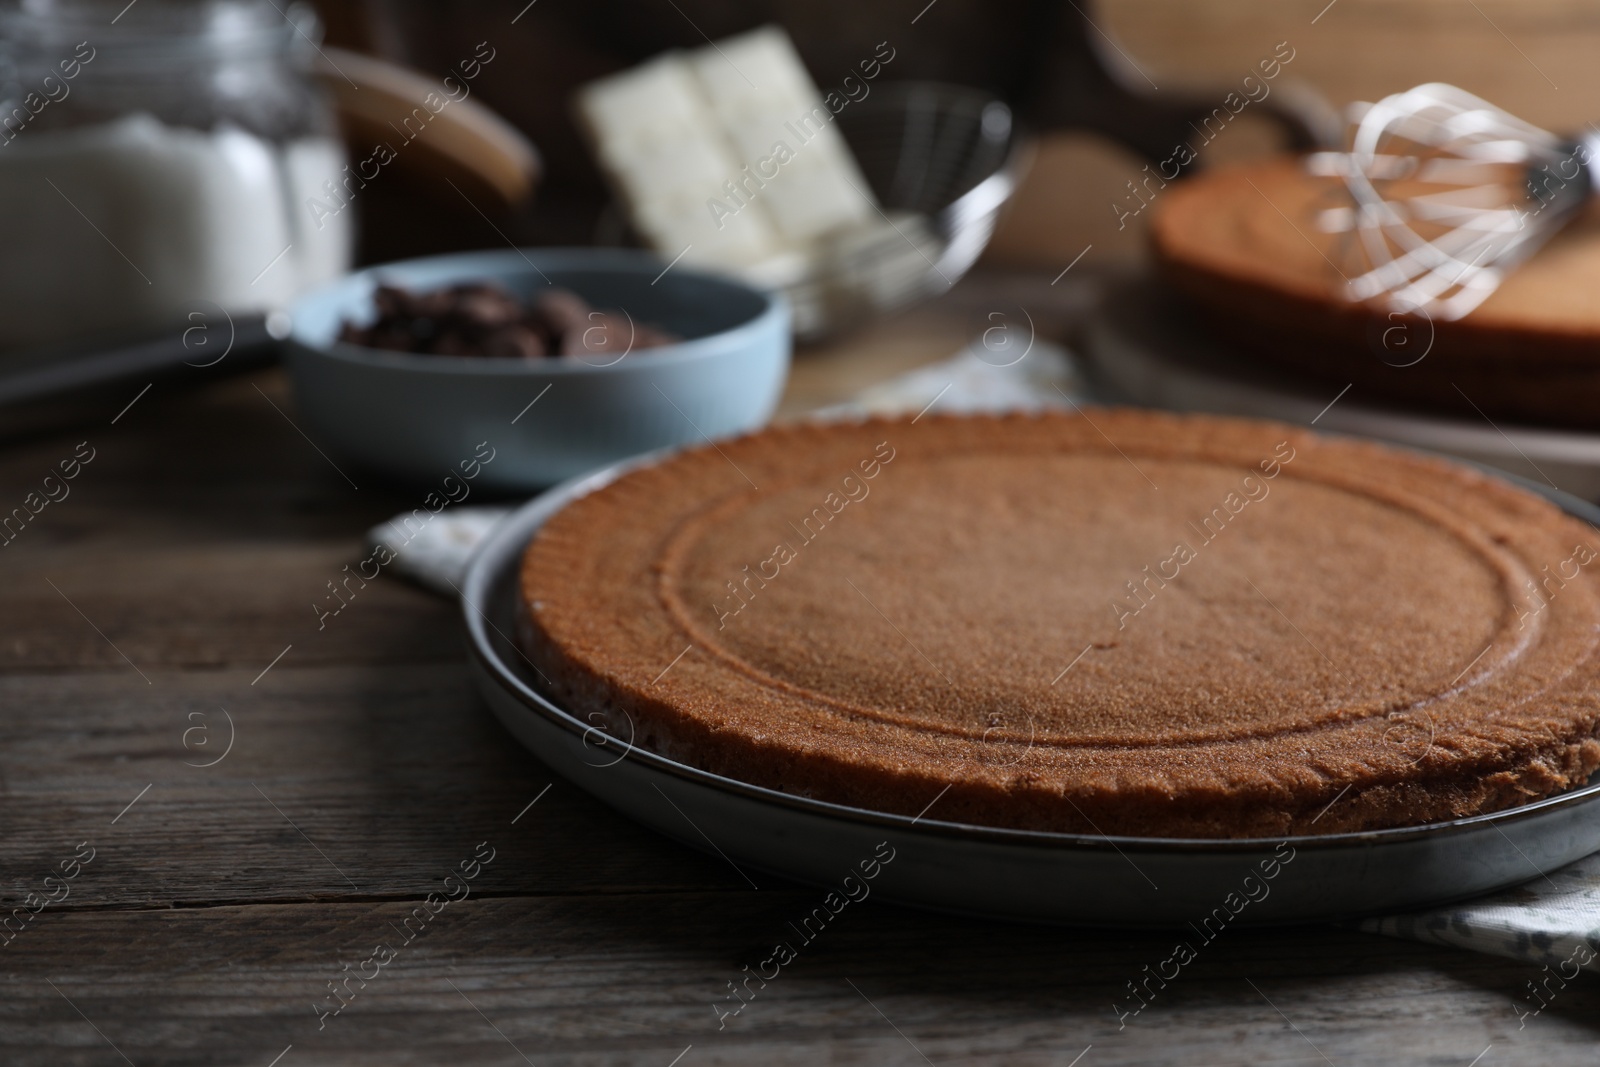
[[1552, 922], [435, 554]]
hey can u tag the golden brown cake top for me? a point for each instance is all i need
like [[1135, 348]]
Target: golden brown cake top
[[1167, 625]]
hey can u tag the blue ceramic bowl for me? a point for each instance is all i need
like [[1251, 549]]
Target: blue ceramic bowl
[[416, 418]]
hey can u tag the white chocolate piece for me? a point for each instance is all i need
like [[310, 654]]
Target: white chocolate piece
[[728, 152]]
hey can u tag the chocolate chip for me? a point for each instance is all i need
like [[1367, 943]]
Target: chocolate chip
[[483, 319]]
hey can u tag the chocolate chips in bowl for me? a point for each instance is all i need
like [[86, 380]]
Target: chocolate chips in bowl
[[481, 319], [383, 375]]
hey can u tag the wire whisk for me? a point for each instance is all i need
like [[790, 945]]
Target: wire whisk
[[1449, 194]]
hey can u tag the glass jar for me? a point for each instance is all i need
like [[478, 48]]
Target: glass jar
[[156, 158]]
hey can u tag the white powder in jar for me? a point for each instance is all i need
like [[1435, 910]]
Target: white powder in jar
[[127, 226]]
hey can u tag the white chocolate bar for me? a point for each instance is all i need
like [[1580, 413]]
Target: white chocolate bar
[[728, 152]]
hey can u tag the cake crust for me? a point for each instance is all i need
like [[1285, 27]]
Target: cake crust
[[1126, 623]]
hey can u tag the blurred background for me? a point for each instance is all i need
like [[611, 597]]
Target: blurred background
[[177, 166], [1532, 57]]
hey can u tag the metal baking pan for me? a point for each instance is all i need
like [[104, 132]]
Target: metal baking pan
[[993, 872]]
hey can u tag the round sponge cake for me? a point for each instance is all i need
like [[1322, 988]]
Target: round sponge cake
[[1122, 623]]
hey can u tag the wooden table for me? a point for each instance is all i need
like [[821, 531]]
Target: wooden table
[[172, 592]]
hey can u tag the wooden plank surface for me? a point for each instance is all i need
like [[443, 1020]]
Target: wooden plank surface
[[222, 899], [581, 979]]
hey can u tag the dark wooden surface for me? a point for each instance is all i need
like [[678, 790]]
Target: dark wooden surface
[[220, 905]]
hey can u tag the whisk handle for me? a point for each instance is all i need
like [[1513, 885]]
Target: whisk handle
[[1564, 183], [1586, 151]]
